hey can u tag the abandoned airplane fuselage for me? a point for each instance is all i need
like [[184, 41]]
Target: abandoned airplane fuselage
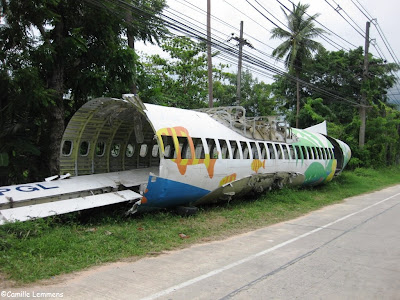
[[119, 150]]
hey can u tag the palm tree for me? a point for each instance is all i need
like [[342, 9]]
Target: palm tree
[[298, 45]]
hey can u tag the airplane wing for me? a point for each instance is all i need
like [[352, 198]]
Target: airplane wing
[[43, 199]]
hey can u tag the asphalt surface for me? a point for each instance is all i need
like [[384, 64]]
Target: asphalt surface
[[349, 250]]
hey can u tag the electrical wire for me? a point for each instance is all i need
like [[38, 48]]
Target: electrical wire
[[348, 16], [325, 27], [322, 36], [277, 71], [253, 38], [338, 11], [181, 27]]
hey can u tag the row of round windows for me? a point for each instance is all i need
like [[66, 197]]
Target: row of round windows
[[115, 149]]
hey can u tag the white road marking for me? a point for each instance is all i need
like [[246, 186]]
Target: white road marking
[[251, 257]]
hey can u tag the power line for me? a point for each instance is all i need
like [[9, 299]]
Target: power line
[[386, 42], [374, 21], [338, 11], [363, 10], [344, 11], [290, 12], [263, 14], [271, 14], [325, 27], [311, 86], [247, 16], [181, 27], [180, 14], [323, 36]]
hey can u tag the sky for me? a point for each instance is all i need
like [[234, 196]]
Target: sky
[[227, 14]]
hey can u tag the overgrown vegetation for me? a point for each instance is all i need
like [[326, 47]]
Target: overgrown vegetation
[[44, 248]]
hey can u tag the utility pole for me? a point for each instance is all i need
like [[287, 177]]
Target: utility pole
[[363, 104], [241, 42], [209, 61], [239, 74]]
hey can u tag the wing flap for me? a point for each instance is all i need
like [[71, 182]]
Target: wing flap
[[42, 210]]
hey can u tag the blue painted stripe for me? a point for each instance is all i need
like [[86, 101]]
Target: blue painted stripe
[[162, 192]]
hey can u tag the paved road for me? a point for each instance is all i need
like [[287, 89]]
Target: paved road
[[345, 251]]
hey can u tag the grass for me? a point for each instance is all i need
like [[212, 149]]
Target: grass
[[40, 249]]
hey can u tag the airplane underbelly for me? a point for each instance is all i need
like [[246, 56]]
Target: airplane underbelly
[[163, 192]]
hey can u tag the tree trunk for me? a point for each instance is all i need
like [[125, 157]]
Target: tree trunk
[[131, 44], [56, 111], [57, 126], [298, 98]]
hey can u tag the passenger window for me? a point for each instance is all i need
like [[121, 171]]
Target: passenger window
[[84, 148], [115, 149], [100, 148], [332, 153], [323, 150], [279, 151], [305, 154], [263, 151], [317, 154], [143, 150], [235, 150], [298, 152], [184, 147], [154, 151], [292, 153], [320, 153], [254, 150], [169, 147], [310, 156], [314, 150], [271, 151], [285, 152], [198, 148], [245, 149], [67, 148], [212, 148], [130, 149], [224, 149]]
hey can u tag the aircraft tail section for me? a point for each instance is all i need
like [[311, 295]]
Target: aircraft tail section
[[342, 153]]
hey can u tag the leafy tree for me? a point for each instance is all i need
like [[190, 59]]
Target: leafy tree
[[340, 72], [314, 111], [224, 89], [383, 135], [299, 44], [21, 116], [256, 97], [49, 49], [180, 81]]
